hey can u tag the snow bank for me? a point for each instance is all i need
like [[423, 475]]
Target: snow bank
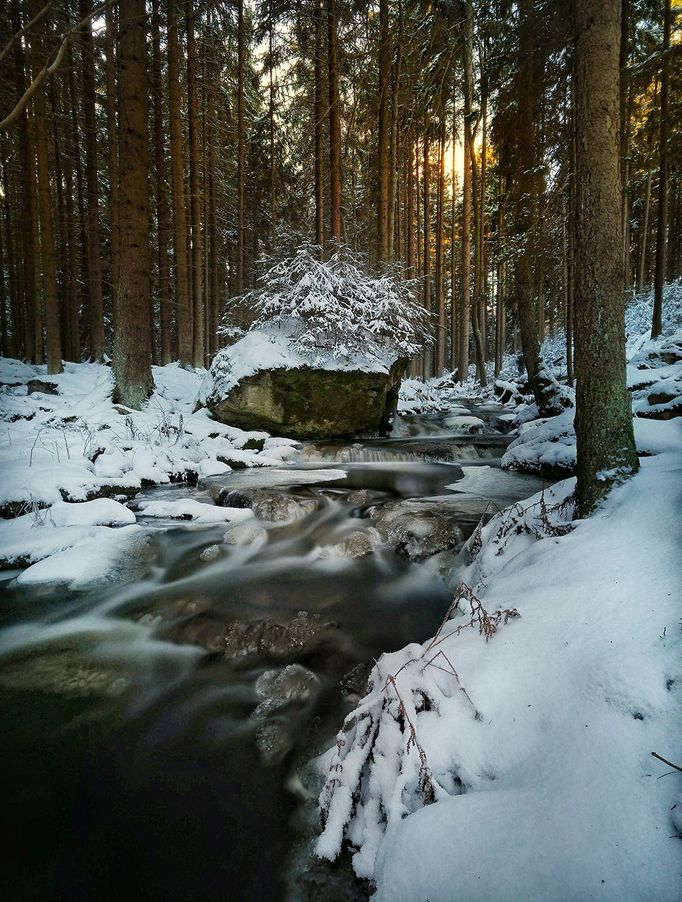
[[536, 744], [198, 511], [77, 445]]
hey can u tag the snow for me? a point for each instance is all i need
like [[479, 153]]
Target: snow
[[513, 761], [61, 453], [107, 555], [100, 512], [566, 705], [198, 511], [274, 347], [77, 445]]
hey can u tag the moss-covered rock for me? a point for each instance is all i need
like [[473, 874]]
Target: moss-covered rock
[[309, 402]]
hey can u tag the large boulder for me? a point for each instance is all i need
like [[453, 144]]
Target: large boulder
[[261, 382]]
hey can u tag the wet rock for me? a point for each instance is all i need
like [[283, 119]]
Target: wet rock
[[280, 687], [41, 385], [210, 553], [304, 401], [465, 425], [356, 544], [237, 639], [273, 741], [355, 681], [64, 669], [269, 504], [418, 528], [246, 534]]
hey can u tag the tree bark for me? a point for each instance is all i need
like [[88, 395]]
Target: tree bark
[[112, 144], [241, 160], [319, 129], [132, 336], [162, 207], [195, 193], [183, 310], [53, 345], [603, 423], [426, 270], [382, 151], [95, 305], [662, 230], [334, 125]]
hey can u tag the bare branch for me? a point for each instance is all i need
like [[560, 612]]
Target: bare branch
[[49, 68], [19, 35]]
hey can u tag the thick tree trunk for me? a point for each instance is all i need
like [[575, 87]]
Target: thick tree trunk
[[162, 207], [525, 197], [454, 324], [195, 193], [132, 336], [465, 294], [440, 298], [320, 119], [112, 144], [426, 269], [183, 310], [470, 160], [95, 304], [382, 151], [334, 125], [603, 422], [53, 344], [662, 230], [241, 154]]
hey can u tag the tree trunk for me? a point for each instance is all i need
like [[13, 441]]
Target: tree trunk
[[183, 310], [162, 208], [271, 122], [662, 230], [132, 336], [426, 271], [603, 423], [440, 298], [465, 295], [470, 161], [334, 125], [112, 144], [319, 129], [46, 218], [241, 158], [95, 304], [453, 256], [525, 198], [195, 192], [382, 152]]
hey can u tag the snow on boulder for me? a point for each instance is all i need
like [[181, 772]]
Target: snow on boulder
[[263, 382], [466, 425], [189, 509], [100, 512]]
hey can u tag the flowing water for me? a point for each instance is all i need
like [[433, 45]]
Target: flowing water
[[150, 729]]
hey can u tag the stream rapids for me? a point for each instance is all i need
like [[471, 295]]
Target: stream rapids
[[156, 732]]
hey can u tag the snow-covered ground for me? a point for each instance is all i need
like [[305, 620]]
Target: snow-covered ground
[[59, 451], [510, 756]]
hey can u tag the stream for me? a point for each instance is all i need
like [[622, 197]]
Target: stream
[[155, 732]]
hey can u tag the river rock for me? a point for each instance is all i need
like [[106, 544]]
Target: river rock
[[295, 398], [269, 504], [356, 544], [35, 386], [418, 528], [280, 687]]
